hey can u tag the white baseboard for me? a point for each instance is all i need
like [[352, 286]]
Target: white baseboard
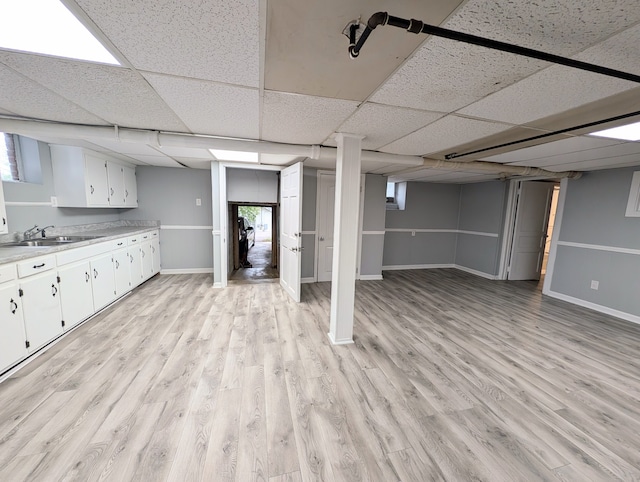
[[476, 272], [595, 307], [416, 266], [340, 342], [370, 277], [307, 280], [186, 270]]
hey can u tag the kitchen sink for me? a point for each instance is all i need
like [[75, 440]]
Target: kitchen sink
[[44, 242]]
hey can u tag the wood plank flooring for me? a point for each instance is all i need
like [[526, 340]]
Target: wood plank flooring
[[451, 377]]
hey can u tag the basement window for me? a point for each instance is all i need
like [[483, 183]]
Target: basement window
[[396, 195], [10, 159], [48, 27]]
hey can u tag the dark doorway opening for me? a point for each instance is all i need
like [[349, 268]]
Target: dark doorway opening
[[254, 253]]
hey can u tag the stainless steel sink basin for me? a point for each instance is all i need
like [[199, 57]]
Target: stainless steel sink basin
[[44, 242]]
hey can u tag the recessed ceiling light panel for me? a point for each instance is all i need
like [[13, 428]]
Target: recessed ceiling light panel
[[48, 27], [239, 156], [630, 132]]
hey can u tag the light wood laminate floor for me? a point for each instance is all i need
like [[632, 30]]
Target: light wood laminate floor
[[452, 377]]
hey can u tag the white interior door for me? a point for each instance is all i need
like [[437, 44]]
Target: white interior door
[[326, 215], [291, 229], [529, 236]]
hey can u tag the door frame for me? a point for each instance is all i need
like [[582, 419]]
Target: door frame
[[508, 231], [316, 256], [224, 217]]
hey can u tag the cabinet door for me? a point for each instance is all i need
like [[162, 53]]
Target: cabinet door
[[115, 174], [135, 262], [103, 281], [122, 269], [76, 294], [96, 184], [130, 187], [12, 339], [147, 259], [4, 227], [41, 309], [155, 254]]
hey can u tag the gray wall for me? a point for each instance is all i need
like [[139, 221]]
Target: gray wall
[[252, 186], [481, 211], [373, 219], [169, 195], [21, 218], [428, 206], [594, 214]]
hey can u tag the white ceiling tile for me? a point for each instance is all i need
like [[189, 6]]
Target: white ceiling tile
[[206, 40], [556, 148], [112, 93], [302, 119], [382, 124], [211, 108], [445, 133], [546, 93], [26, 98], [603, 154], [561, 27], [444, 76], [612, 163]]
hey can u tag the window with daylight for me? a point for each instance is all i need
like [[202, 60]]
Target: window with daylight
[[10, 166], [396, 195]]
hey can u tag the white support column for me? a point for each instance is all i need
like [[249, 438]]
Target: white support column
[[345, 236]]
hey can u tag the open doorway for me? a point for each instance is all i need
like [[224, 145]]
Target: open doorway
[[253, 252], [529, 224]]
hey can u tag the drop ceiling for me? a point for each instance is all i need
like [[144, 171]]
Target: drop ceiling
[[278, 70]]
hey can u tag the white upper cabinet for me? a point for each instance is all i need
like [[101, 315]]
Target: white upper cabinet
[[83, 178], [4, 227]]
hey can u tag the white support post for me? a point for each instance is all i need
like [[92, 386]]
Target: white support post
[[345, 235]]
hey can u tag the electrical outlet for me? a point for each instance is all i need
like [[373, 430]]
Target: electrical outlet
[[595, 284], [54, 201], [198, 202], [413, 233]]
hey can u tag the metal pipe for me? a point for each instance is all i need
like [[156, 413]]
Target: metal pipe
[[417, 26], [500, 169]]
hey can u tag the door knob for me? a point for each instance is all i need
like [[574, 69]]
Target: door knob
[[321, 238]]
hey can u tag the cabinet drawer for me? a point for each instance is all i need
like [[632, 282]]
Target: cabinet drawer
[[131, 240], [7, 273], [36, 265], [76, 254]]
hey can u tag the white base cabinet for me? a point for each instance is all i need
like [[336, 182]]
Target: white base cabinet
[[76, 295], [41, 309], [103, 281], [12, 336], [122, 271], [41, 297]]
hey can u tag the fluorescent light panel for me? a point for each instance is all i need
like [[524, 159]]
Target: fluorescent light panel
[[630, 132], [48, 27], [240, 156]]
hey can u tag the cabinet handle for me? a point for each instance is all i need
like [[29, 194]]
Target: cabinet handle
[[4, 221], [131, 258], [14, 306], [86, 277], [112, 191], [126, 193], [117, 264], [120, 244], [38, 266], [95, 273], [92, 189], [54, 290], [153, 249], [142, 253]]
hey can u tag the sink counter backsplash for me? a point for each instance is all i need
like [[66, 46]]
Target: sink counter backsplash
[[79, 229]]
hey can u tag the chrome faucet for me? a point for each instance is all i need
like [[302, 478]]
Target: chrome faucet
[[30, 233]]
